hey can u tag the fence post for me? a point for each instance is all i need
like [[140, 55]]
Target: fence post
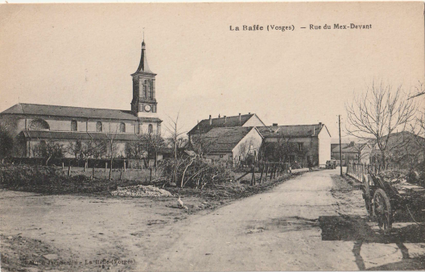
[[262, 171], [125, 168], [69, 170], [150, 174], [253, 175], [92, 175], [63, 166], [106, 167]]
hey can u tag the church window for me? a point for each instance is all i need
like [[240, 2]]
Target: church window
[[39, 124], [99, 126], [73, 125], [150, 128], [122, 127]]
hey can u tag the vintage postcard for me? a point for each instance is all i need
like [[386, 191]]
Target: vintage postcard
[[212, 136]]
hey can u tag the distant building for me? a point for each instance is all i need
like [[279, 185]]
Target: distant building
[[241, 120], [35, 124], [353, 152], [308, 143]]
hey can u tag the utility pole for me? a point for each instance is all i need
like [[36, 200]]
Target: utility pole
[[340, 148]]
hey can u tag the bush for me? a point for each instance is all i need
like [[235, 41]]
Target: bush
[[194, 173]]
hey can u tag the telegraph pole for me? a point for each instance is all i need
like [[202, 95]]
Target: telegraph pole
[[340, 148]]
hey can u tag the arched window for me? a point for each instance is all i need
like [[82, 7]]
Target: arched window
[[99, 126], [150, 128], [39, 124], [73, 125], [122, 127]]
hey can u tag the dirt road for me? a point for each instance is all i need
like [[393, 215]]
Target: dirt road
[[313, 222]]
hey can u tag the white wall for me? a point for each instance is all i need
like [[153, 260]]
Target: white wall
[[254, 121], [324, 146], [252, 139]]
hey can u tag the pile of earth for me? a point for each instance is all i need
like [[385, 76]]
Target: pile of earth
[[140, 191]]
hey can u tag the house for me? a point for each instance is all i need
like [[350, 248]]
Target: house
[[34, 125], [353, 152], [241, 120], [300, 143], [231, 144]]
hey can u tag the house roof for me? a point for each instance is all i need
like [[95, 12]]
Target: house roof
[[67, 135], [291, 131], [347, 149], [224, 139], [73, 112], [225, 121]]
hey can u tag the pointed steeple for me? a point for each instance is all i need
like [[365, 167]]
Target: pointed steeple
[[143, 66]]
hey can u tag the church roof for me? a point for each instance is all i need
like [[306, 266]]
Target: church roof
[[73, 112], [143, 65], [225, 121]]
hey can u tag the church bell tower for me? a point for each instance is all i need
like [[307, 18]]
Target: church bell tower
[[144, 102]]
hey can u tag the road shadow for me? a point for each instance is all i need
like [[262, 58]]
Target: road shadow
[[282, 224], [357, 229]]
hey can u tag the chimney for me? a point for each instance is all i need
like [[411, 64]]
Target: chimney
[[240, 119], [249, 113], [320, 124], [219, 115], [225, 119], [275, 124], [210, 120]]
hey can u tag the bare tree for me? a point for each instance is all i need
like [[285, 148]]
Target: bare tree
[[202, 144], [147, 146], [6, 142], [176, 141], [48, 150], [378, 113]]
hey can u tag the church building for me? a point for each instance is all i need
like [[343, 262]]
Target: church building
[[35, 124]]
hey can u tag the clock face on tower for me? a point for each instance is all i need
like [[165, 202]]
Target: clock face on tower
[[148, 108]]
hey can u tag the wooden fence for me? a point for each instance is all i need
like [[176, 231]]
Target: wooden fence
[[357, 170]]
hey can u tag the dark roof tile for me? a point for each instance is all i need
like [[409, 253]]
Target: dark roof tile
[[228, 121]]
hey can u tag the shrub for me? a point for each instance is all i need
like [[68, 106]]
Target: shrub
[[194, 172]]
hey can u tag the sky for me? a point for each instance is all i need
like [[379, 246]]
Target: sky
[[83, 55]]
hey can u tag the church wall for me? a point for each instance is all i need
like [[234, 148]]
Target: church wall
[[145, 128], [81, 126]]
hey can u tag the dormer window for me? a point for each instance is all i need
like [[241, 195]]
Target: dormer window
[[122, 127]]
